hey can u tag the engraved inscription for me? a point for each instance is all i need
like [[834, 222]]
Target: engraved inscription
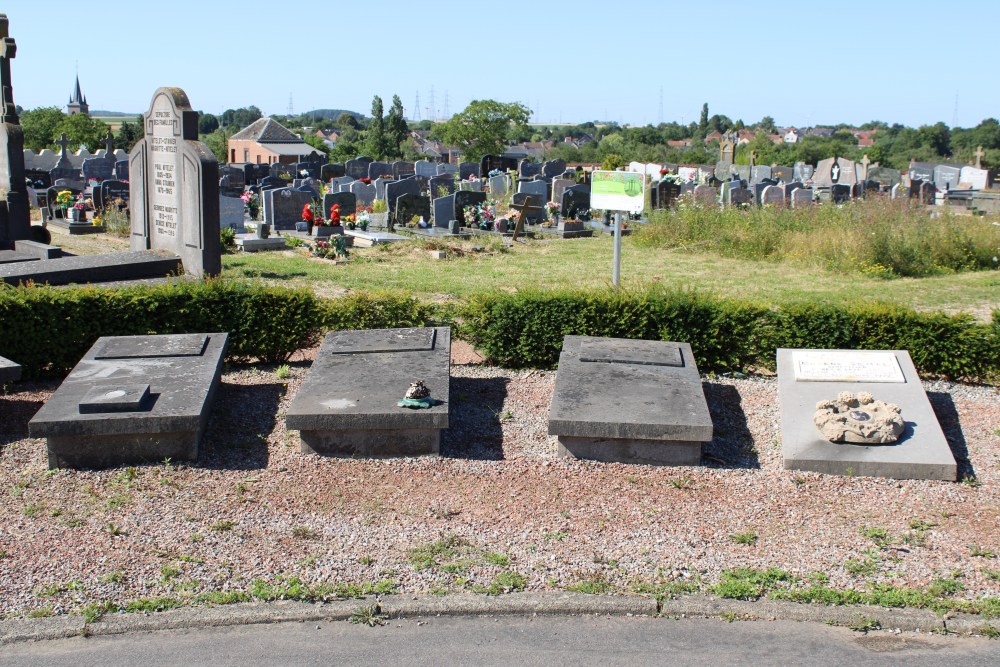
[[846, 366], [164, 194]]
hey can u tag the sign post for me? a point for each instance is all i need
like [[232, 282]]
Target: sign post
[[618, 191]]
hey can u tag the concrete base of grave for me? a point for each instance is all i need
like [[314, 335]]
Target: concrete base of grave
[[105, 451], [75, 228], [132, 265], [619, 450], [251, 244], [9, 371], [368, 443]]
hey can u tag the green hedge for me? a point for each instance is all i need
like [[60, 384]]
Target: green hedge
[[525, 329], [47, 330]]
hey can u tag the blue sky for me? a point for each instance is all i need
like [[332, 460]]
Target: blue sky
[[803, 64]]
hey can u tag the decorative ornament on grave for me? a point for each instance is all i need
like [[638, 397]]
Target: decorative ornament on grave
[[418, 396], [858, 419]]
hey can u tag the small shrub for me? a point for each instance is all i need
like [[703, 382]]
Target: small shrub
[[748, 538], [749, 584], [284, 372], [370, 615], [507, 582], [42, 612], [222, 526], [227, 236], [595, 584]]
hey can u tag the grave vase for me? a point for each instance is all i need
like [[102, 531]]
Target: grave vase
[[77, 215]]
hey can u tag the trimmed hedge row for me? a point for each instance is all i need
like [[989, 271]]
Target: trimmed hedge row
[[47, 330], [526, 329]]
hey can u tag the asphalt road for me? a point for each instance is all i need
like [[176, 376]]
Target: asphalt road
[[512, 640]]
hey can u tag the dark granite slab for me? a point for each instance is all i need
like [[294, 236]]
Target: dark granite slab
[[134, 427], [14, 257], [647, 402], [111, 267], [359, 390], [9, 371]]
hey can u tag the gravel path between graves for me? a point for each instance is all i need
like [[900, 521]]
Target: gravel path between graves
[[255, 508]]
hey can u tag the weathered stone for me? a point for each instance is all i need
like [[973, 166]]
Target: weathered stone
[[9, 371], [348, 404], [133, 399], [858, 419], [629, 401]]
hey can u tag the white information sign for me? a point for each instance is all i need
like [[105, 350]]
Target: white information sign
[[618, 191], [846, 366]]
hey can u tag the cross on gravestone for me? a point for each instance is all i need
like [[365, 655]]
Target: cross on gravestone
[[979, 157], [865, 161], [522, 210], [64, 142], [15, 217]]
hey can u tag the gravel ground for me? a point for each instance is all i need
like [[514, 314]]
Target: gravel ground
[[497, 499]]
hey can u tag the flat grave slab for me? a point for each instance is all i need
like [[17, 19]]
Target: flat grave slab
[[347, 405], [136, 264], [133, 400], [250, 243], [806, 377], [9, 371], [629, 401], [13, 257], [371, 239]]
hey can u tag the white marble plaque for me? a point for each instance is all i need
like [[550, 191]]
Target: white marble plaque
[[846, 366]]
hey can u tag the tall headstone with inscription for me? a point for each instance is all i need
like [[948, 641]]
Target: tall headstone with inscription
[[15, 220], [174, 186], [859, 412]]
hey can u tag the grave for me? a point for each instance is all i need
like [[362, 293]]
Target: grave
[[444, 210], [15, 216], [740, 197], [9, 371], [450, 169], [499, 184], [373, 238], [121, 170], [946, 177], [435, 183], [923, 171], [409, 205], [974, 178], [425, 168], [401, 168], [497, 163], [575, 203], [347, 201], [174, 199], [394, 189], [772, 195], [559, 186], [539, 188], [363, 192], [283, 207], [629, 401], [706, 195], [803, 172], [332, 170], [467, 170], [553, 168], [801, 197], [358, 167], [379, 170], [807, 377], [231, 212], [783, 174], [528, 169], [835, 171], [884, 176], [347, 405], [131, 400], [465, 198]]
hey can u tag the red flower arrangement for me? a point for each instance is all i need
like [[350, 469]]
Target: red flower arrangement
[[307, 213], [335, 214], [366, 181]]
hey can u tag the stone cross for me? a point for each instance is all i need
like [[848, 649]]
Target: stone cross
[[979, 157], [8, 49], [64, 142], [753, 158], [865, 161]]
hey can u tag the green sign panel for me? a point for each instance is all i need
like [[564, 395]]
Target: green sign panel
[[618, 191]]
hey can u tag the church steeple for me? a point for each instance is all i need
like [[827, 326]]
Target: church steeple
[[77, 101]]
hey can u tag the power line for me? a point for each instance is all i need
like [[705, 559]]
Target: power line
[[291, 107], [416, 108]]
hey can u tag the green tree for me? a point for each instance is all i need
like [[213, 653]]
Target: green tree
[[317, 143], [703, 121], [348, 121], [395, 128], [483, 126], [207, 123], [376, 144], [40, 127], [129, 135], [766, 124], [83, 130]]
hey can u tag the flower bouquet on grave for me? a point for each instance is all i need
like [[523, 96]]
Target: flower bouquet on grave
[[334, 215], [332, 248], [64, 199], [366, 180], [494, 172], [363, 217], [552, 210], [349, 221], [251, 203]]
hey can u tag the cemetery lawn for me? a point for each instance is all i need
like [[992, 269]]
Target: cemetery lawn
[[586, 264]]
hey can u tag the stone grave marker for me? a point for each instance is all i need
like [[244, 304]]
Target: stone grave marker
[[499, 184], [364, 192], [575, 202], [467, 170], [540, 188], [348, 403], [803, 172], [495, 162], [772, 195], [884, 176], [231, 213], [358, 167], [271, 182], [285, 172], [740, 197], [174, 199], [629, 401], [897, 191], [667, 193], [465, 198], [947, 177], [307, 170], [283, 207], [809, 378], [840, 193], [451, 169], [784, 174], [553, 168], [112, 192], [705, 195], [331, 170], [927, 192], [835, 171], [409, 205], [379, 170], [802, 197], [444, 210], [758, 173], [528, 169], [380, 187], [401, 168], [394, 189], [923, 171], [347, 201], [340, 183], [472, 186], [559, 186], [435, 183], [974, 178], [425, 168], [789, 188], [97, 169], [723, 169], [133, 400]]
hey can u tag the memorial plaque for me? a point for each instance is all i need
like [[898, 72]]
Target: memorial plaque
[[382, 340], [628, 351], [139, 347], [846, 366], [128, 398]]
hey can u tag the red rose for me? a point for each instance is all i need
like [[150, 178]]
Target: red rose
[[307, 213]]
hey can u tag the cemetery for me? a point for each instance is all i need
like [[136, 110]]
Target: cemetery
[[315, 380]]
